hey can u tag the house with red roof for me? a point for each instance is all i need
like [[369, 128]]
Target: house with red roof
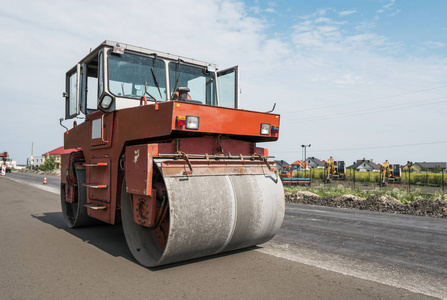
[[56, 153], [300, 165]]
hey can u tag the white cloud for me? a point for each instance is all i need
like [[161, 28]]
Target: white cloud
[[434, 44], [332, 35], [318, 12], [328, 21], [389, 9], [387, 6], [394, 13], [347, 12], [271, 8], [256, 9], [365, 26]]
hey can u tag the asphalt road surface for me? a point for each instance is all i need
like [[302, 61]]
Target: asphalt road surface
[[42, 258], [401, 250]]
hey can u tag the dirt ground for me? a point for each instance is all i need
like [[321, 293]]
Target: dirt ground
[[384, 203]]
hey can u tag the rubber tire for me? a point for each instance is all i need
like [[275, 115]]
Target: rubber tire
[[75, 214]]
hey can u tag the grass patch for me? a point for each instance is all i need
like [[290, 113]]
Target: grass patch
[[333, 191], [421, 178]]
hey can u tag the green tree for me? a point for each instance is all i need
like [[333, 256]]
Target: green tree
[[437, 169], [48, 165]]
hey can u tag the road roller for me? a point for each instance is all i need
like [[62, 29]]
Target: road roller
[[159, 144]]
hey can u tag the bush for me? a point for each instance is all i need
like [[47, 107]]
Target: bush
[[424, 178], [48, 165]]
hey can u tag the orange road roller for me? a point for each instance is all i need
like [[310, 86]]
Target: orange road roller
[[159, 144]]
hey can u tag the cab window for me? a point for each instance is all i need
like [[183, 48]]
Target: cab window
[[128, 75], [200, 82]]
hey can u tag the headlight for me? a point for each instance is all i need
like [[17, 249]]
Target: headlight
[[106, 101], [192, 122], [265, 129]]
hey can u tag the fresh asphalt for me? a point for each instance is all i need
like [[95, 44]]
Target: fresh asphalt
[[401, 250]]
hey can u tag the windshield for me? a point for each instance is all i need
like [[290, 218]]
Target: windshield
[[201, 83], [129, 72]]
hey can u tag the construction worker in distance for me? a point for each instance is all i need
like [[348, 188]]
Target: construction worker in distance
[[181, 94]]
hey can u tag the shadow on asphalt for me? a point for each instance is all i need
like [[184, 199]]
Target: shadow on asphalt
[[110, 239]]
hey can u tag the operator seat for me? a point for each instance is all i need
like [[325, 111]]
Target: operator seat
[[181, 94]]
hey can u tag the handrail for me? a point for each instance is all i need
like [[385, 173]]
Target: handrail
[[217, 157], [102, 129]]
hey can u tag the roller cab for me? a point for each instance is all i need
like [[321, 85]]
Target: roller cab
[[165, 150]]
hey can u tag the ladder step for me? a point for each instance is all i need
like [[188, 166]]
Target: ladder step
[[96, 165], [95, 186], [95, 207]]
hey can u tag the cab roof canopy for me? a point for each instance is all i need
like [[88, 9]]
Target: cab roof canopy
[[118, 46]]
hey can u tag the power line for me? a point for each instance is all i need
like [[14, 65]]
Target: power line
[[364, 101], [363, 112], [373, 147]]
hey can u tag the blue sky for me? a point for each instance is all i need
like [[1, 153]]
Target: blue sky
[[353, 78], [396, 17], [418, 27]]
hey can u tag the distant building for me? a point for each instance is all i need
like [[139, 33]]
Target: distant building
[[408, 165], [426, 166], [300, 165], [56, 153], [37, 161], [314, 162], [281, 164], [365, 165]]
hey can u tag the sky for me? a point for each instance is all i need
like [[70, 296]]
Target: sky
[[354, 79]]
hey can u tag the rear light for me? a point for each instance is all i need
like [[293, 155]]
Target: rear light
[[275, 129], [265, 129], [180, 121], [192, 122]]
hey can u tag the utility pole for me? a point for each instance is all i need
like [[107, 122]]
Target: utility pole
[[442, 172], [31, 160], [303, 152]]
